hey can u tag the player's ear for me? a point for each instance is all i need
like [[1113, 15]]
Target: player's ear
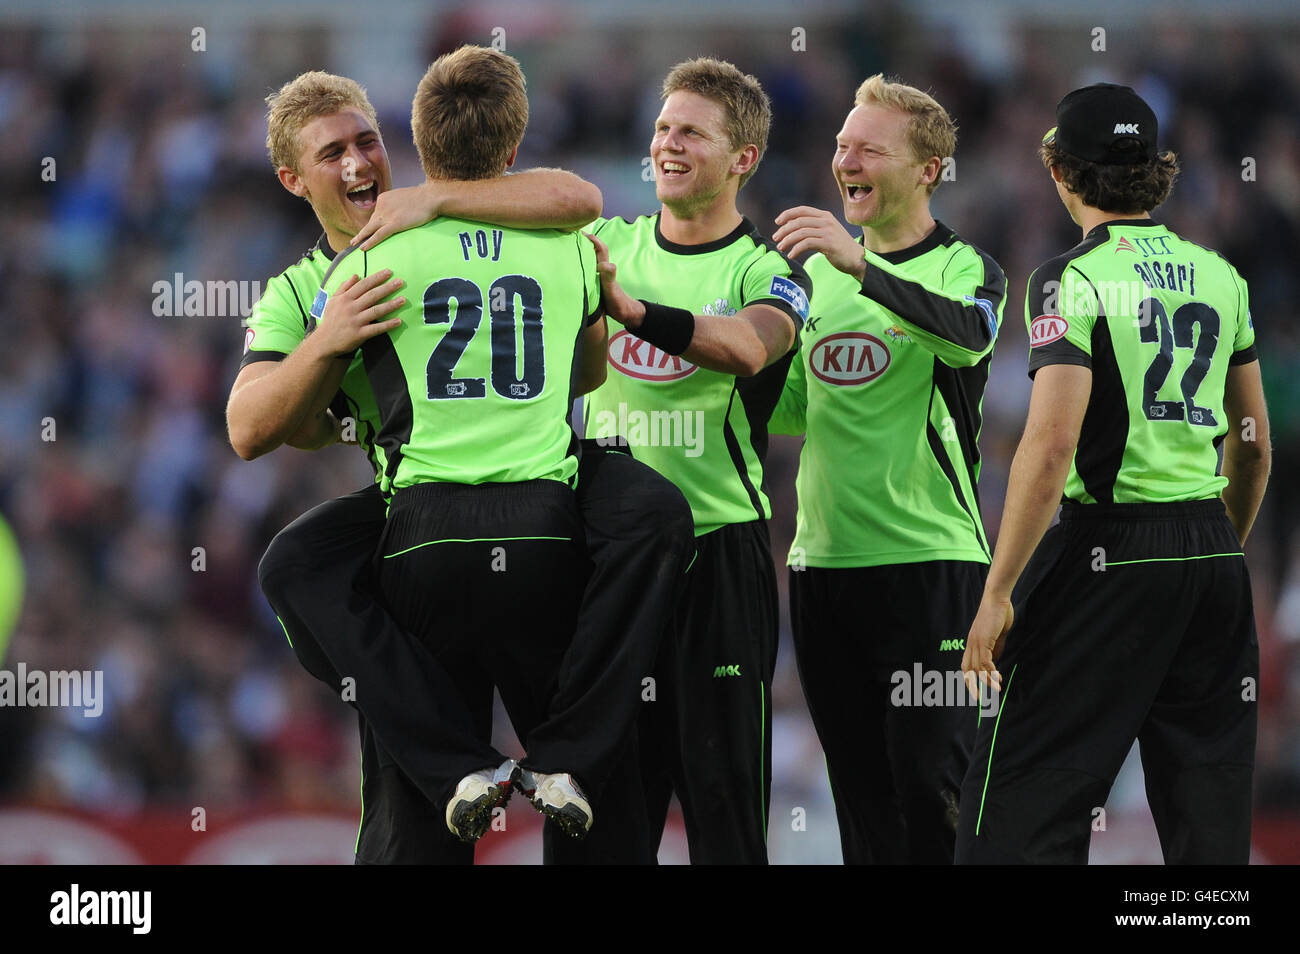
[[930, 171], [1057, 174], [292, 181], [745, 162], [514, 154]]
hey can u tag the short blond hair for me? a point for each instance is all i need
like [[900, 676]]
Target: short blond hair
[[931, 131], [741, 96], [303, 99], [469, 113]]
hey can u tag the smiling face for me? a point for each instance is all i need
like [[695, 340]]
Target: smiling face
[[693, 158], [881, 180], [342, 168]]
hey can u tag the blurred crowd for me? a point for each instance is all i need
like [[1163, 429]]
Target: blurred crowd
[[128, 161]]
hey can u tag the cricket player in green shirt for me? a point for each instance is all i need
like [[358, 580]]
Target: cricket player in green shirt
[[708, 312], [418, 734], [889, 554], [1133, 617]]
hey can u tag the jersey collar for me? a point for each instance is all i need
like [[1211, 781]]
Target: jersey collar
[[939, 235], [745, 227], [323, 246], [1105, 226]]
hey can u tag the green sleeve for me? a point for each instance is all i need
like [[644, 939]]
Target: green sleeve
[[957, 320], [775, 280], [791, 414], [1078, 306], [1243, 344], [591, 278], [276, 325]]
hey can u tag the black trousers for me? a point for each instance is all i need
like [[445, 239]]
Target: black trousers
[[489, 578], [895, 756], [1133, 621], [316, 575], [708, 732]]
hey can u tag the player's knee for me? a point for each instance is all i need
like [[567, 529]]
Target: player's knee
[[673, 525], [284, 560]]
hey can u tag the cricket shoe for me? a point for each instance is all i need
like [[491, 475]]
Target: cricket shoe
[[469, 812], [558, 797]]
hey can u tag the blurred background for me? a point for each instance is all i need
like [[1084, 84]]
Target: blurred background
[[132, 141]]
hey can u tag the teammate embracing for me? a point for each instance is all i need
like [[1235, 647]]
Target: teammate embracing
[[696, 369], [889, 554], [1133, 616], [420, 734]]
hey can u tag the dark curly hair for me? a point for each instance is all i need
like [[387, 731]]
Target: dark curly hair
[[1135, 188]]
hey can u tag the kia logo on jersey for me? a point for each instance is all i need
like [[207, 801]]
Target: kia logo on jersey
[[850, 357], [639, 359], [1047, 328]]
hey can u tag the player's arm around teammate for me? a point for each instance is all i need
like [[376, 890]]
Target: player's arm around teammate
[[743, 344], [327, 149], [285, 402]]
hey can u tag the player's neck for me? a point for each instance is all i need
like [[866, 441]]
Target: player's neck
[[899, 234], [1088, 218], [708, 225], [337, 240]]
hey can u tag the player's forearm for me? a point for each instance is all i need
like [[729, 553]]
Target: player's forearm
[[727, 345], [742, 344], [1037, 478], [265, 412], [1246, 464], [317, 430], [533, 199]]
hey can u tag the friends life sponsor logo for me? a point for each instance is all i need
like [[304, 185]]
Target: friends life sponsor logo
[[77, 907], [789, 292], [849, 358], [939, 688], [64, 689], [179, 298], [626, 427]]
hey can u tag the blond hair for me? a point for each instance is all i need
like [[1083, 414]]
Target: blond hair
[[303, 99], [747, 108], [931, 131], [469, 114]]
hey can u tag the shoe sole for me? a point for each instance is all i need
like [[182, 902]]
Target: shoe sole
[[470, 820], [571, 819]]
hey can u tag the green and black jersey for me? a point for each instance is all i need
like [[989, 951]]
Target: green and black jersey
[[475, 385], [888, 393], [706, 431], [280, 320], [1158, 319]]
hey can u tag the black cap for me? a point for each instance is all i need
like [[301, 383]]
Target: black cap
[[1106, 124]]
